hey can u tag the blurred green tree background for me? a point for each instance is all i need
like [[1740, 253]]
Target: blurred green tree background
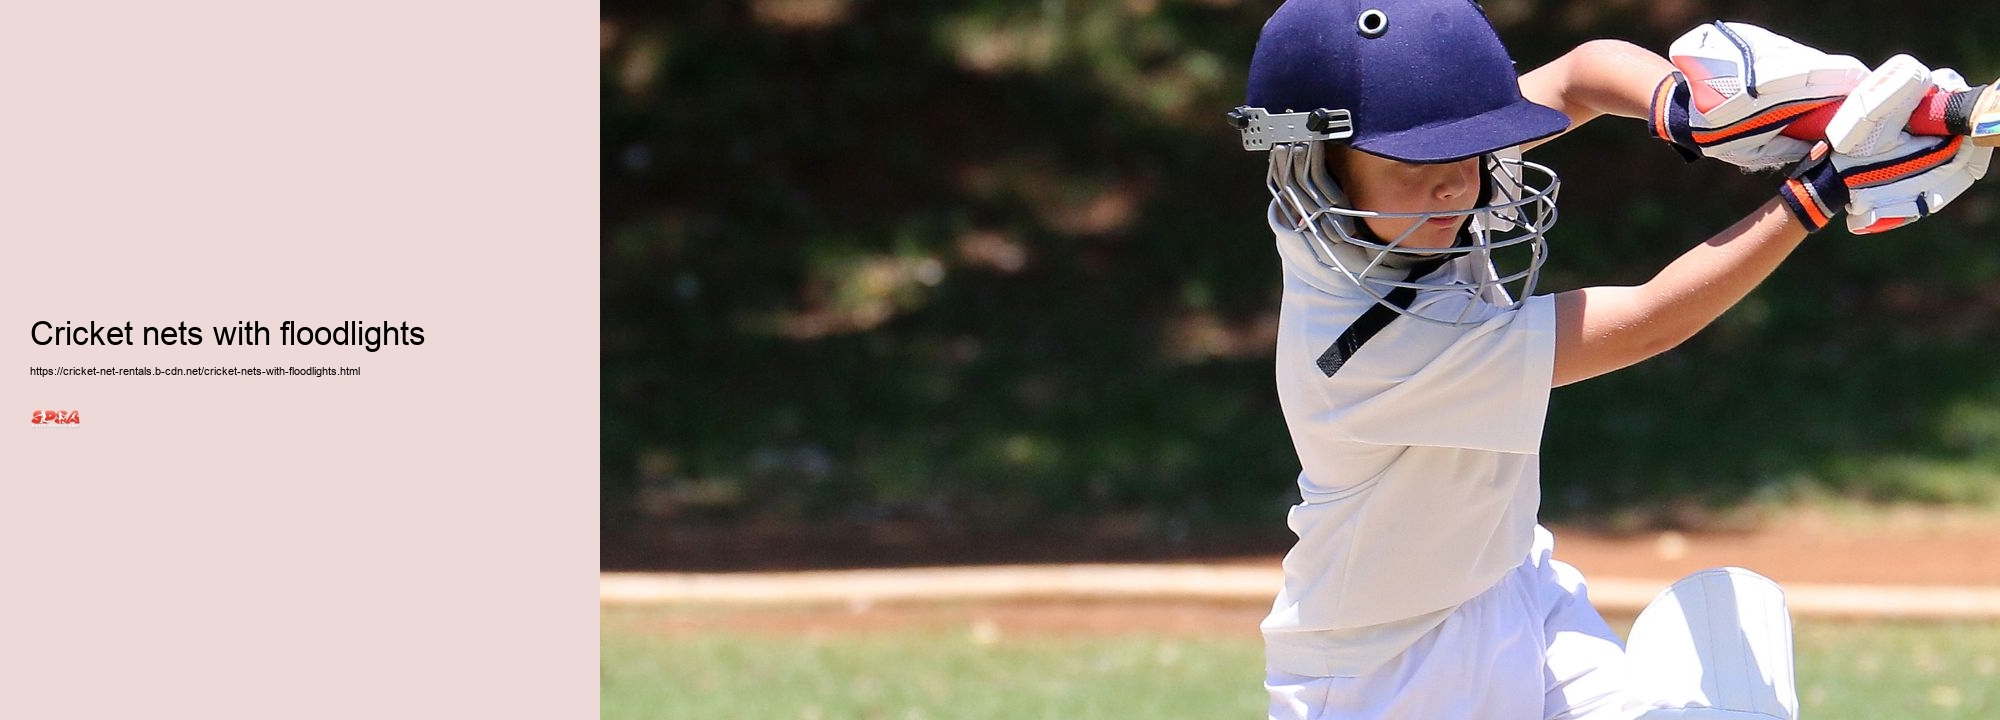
[[1001, 264]]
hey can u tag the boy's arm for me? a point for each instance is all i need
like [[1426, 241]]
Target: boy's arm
[[1601, 329], [1754, 82], [1600, 77]]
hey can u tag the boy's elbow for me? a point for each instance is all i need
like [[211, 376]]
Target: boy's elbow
[[1658, 344], [1662, 322]]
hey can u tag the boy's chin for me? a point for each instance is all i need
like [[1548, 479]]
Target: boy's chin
[[1427, 235], [1435, 235]]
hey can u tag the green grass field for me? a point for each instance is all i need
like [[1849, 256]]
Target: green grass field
[[664, 663]]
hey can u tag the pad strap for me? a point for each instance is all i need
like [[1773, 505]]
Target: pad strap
[[1669, 117], [1814, 191]]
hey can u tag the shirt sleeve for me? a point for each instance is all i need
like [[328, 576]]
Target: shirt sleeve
[[1482, 386]]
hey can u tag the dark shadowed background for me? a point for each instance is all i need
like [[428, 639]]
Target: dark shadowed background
[[991, 279]]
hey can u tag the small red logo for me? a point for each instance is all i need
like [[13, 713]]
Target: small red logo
[[57, 417]]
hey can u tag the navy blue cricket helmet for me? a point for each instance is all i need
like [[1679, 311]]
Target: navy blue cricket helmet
[[1423, 81]]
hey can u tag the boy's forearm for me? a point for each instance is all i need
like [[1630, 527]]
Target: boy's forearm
[[1600, 77], [1602, 329]]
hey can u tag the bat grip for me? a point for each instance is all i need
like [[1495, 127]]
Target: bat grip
[[1927, 119]]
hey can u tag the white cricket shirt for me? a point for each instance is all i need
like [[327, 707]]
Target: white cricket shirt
[[1420, 475]]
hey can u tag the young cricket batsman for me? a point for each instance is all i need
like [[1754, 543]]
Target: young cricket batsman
[[1415, 384]]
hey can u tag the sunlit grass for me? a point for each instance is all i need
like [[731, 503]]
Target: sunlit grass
[[664, 663], [974, 671]]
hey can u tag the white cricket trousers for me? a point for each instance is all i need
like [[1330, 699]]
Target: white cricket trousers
[[1529, 647]]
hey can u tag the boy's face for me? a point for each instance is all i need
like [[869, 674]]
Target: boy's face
[[1378, 184]]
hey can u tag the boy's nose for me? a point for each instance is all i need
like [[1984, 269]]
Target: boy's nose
[[1453, 182]]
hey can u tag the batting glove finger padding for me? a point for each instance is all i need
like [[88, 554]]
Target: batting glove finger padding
[[1871, 116], [1949, 80], [1737, 88]]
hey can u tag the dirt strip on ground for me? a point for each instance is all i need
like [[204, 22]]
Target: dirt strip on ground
[[1909, 547], [1869, 547], [1193, 582], [1902, 564]]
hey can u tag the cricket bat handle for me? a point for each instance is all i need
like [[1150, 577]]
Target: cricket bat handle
[[1974, 113]]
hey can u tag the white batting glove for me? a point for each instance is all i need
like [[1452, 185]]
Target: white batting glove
[[1738, 86], [1894, 203], [1916, 177]]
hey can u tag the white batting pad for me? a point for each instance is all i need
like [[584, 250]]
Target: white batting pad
[[1717, 645]]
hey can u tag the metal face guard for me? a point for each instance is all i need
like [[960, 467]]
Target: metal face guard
[[1514, 214]]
